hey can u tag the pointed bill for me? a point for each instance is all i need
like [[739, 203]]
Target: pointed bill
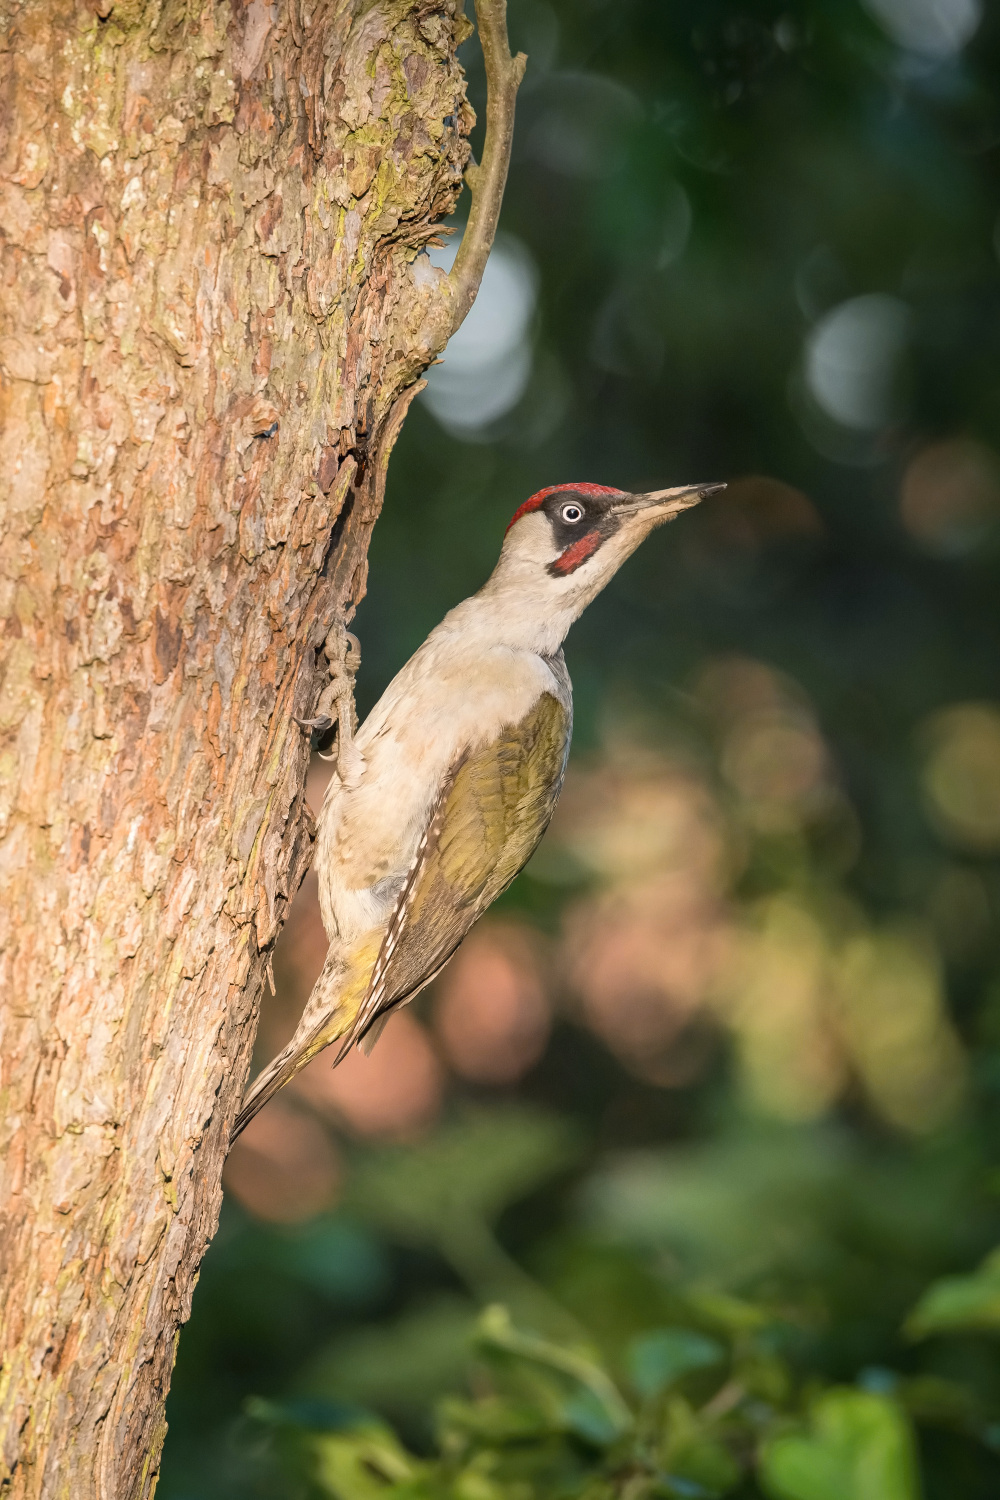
[[670, 502]]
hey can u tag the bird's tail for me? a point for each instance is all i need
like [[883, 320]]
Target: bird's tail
[[329, 1013]]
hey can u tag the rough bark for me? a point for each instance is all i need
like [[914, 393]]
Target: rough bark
[[213, 315]]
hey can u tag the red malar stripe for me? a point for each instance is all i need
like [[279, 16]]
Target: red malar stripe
[[537, 501], [571, 559]]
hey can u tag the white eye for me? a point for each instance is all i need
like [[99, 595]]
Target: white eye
[[572, 514]]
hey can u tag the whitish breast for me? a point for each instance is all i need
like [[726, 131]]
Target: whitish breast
[[441, 704]]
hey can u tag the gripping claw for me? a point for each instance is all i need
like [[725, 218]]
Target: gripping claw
[[321, 725]]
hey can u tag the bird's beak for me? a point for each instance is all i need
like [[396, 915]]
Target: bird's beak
[[665, 504]]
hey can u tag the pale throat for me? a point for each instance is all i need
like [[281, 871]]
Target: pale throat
[[522, 605]]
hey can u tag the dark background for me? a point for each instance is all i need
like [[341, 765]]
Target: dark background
[[744, 1004]]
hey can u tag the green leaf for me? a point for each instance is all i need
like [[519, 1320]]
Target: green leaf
[[589, 1416], [365, 1465], [493, 1420], [705, 1467], [697, 1463], [960, 1302], [596, 1409], [859, 1447], [476, 1482], [656, 1359], [734, 1315]]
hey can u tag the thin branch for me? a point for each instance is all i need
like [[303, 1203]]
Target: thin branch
[[488, 180]]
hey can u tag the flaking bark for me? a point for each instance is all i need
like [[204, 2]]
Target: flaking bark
[[212, 317]]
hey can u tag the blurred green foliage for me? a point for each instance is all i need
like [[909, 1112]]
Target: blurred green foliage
[[627, 1373], [960, 1302], [651, 1384], [591, 1284]]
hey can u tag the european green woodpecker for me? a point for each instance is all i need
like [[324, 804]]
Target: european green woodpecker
[[443, 794]]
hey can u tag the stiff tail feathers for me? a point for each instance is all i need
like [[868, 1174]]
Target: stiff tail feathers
[[267, 1083], [330, 1012]]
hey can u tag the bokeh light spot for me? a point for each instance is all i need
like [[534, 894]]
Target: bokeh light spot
[[777, 765], [626, 823], [641, 962], [853, 361], [774, 995], [284, 1167], [730, 688], [758, 511], [961, 775], [903, 1045], [491, 1013], [950, 496], [935, 28], [394, 1093], [487, 362]]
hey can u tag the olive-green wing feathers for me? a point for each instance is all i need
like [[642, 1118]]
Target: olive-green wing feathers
[[492, 811]]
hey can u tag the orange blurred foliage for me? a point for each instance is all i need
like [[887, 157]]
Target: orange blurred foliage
[[284, 1167], [492, 1015], [394, 1093]]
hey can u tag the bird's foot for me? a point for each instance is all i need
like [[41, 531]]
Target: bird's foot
[[350, 761], [352, 654], [336, 704]]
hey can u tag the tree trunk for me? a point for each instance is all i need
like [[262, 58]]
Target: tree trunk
[[213, 318]]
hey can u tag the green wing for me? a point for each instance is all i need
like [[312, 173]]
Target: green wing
[[492, 811]]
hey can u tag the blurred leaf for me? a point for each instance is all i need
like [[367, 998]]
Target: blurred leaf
[[597, 1410], [477, 1482], [765, 1377], [614, 1291], [692, 1454], [472, 1168], [734, 1314], [960, 1302], [363, 1466], [859, 1447], [494, 1420], [587, 1415], [657, 1359]]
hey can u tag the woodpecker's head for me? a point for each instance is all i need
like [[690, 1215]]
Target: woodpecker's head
[[565, 543]]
